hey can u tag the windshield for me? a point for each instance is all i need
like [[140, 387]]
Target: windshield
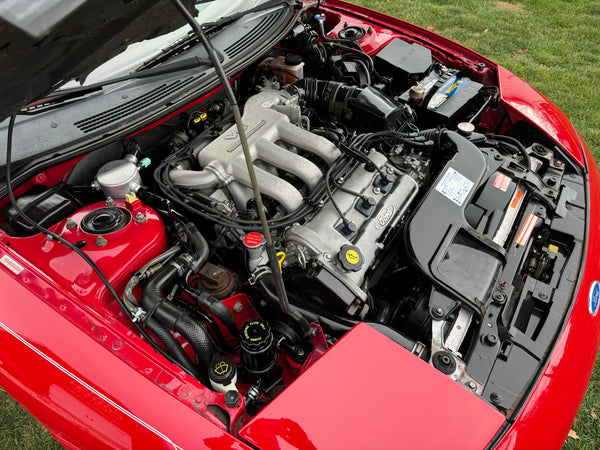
[[139, 52]]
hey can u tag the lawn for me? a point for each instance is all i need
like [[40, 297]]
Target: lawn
[[552, 44]]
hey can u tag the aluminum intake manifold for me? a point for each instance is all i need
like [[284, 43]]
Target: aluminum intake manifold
[[275, 145]]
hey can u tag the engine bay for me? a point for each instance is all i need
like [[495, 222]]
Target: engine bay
[[397, 192]]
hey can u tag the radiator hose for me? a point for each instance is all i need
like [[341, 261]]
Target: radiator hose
[[175, 317], [172, 346]]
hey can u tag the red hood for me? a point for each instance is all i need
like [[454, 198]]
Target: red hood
[[359, 397]]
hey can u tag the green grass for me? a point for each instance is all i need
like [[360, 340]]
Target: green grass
[[554, 45], [19, 430]]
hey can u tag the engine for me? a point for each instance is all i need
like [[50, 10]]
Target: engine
[[346, 233], [389, 197]]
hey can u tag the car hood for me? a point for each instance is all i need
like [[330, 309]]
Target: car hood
[[44, 44], [367, 398]]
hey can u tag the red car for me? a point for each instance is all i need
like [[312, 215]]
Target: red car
[[393, 246]]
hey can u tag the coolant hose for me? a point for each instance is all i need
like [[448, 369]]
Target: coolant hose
[[214, 307], [199, 243], [197, 335], [171, 315], [172, 346]]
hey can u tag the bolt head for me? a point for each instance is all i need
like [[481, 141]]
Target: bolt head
[[490, 340], [437, 312], [238, 307]]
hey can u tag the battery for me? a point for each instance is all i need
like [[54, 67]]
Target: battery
[[446, 98]]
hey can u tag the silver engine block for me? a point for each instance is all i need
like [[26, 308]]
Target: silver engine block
[[275, 144], [278, 145], [345, 259]]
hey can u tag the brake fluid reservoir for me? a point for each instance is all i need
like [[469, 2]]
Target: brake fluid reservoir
[[288, 68]]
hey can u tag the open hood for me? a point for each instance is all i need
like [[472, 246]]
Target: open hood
[[44, 44]]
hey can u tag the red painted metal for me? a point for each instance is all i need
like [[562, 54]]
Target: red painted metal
[[48, 178], [523, 102], [82, 391], [372, 393], [65, 355], [125, 251]]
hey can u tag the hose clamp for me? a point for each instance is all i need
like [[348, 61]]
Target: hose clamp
[[137, 314], [259, 272]]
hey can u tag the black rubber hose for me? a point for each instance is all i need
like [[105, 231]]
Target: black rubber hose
[[384, 311], [511, 140], [202, 344], [173, 317], [198, 242], [172, 346], [214, 307]]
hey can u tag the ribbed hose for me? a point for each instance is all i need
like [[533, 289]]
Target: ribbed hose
[[172, 346], [171, 315], [214, 307], [197, 335]]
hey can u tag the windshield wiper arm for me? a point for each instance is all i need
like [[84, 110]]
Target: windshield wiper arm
[[210, 26], [185, 64], [177, 66]]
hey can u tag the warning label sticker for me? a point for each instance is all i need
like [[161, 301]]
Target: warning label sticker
[[454, 186], [526, 230], [11, 264], [501, 182]]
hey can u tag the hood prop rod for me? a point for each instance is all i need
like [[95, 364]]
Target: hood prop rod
[[284, 302]]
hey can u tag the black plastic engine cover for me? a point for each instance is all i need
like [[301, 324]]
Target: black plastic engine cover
[[439, 238]]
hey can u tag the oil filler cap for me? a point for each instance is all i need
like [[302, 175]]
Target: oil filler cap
[[350, 258]]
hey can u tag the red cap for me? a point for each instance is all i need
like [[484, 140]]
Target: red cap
[[253, 240]]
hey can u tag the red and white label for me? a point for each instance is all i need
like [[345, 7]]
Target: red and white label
[[501, 182], [516, 201], [11, 264], [527, 229], [253, 239]]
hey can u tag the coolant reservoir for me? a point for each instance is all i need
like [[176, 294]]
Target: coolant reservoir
[[288, 68]]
